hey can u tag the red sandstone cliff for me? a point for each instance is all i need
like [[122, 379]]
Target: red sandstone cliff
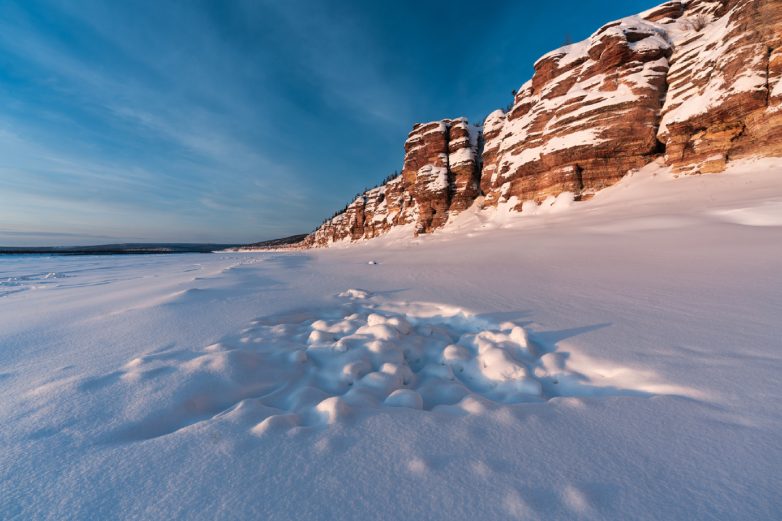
[[440, 177], [725, 95], [699, 82]]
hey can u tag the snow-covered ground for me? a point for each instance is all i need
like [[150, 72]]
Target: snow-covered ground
[[614, 359]]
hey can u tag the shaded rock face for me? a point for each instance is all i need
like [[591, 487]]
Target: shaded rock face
[[439, 178], [697, 82]]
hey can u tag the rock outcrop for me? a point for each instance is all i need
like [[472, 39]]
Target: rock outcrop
[[725, 89], [425, 172], [440, 177], [698, 82], [588, 115]]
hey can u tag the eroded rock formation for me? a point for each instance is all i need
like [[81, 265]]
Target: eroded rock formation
[[439, 178], [698, 82], [725, 94], [588, 115]]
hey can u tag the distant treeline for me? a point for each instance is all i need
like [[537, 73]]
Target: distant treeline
[[387, 179]]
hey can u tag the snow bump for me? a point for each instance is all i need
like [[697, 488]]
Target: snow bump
[[329, 365]]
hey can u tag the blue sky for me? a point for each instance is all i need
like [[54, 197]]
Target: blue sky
[[237, 121]]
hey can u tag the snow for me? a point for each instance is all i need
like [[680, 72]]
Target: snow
[[612, 359], [405, 398], [701, 55], [568, 54], [776, 92], [463, 155], [768, 213], [582, 138], [586, 137], [657, 40], [552, 204], [436, 177], [416, 135], [494, 121]]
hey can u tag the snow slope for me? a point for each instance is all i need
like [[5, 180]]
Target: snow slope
[[617, 358]]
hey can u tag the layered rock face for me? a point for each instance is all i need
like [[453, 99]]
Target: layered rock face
[[440, 177], [369, 215], [697, 82], [463, 163], [588, 115], [725, 92], [441, 169], [426, 173]]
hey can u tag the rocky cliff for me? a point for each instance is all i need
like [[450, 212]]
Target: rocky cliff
[[697, 82], [725, 94], [440, 176]]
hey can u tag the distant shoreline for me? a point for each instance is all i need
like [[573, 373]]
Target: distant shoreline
[[116, 249], [149, 248], [69, 253]]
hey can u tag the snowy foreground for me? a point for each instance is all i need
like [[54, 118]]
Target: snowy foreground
[[615, 359]]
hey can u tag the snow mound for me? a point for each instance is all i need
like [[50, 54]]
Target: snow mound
[[322, 366], [767, 213], [354, 293]]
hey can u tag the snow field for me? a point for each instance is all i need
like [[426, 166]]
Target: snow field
[[321, 366], [639, 329]]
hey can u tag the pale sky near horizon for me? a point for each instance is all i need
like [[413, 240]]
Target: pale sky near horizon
[[239, 121]]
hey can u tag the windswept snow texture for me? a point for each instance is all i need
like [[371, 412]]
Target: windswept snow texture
[[320, 366], [613, 359]]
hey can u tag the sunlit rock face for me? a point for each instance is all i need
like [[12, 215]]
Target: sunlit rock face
[[695, 82], [588, 115], [724, 94], [439, 178], [441, 170]]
